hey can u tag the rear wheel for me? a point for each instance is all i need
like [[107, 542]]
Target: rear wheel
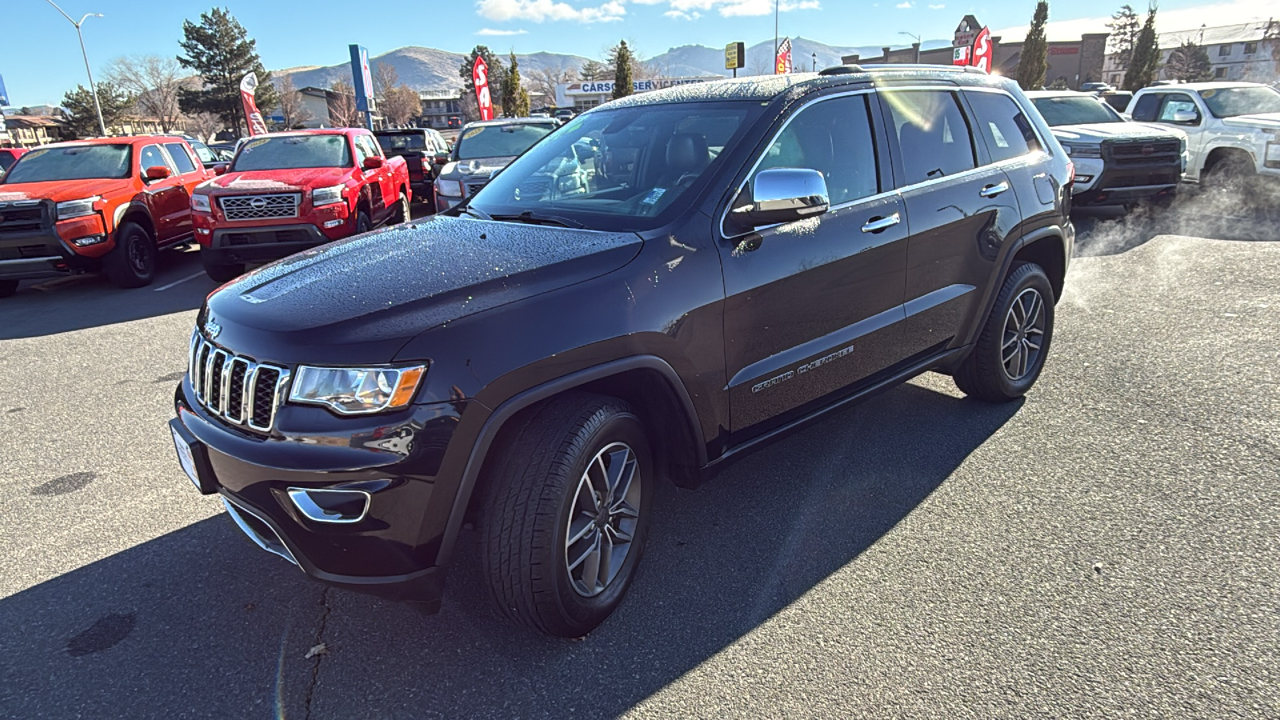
[[362, 222], [8, 287], [402, 212], [132, 263], [1011, 350], [219, 271], [567, 514]]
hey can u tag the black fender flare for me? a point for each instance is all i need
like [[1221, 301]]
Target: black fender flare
[[1006, 264], [508, 409]]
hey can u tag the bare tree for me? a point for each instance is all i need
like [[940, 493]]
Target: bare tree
[[154, 81], [342, 105], [202, 124], [400, 104], [385, 78], [545, 80], [291, 106]]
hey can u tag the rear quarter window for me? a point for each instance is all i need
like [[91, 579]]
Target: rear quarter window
[[1003, 126]]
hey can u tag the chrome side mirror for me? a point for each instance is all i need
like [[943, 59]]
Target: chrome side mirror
[[1187, 117], [783, 195]]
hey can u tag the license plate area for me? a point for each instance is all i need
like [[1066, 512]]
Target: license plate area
[[192, 459]]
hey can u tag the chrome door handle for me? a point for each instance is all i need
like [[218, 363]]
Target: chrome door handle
[[991, 191], [877, 224]]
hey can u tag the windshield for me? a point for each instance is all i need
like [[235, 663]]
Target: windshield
[[1230, 102], [72, 162], [6, 161], [618, 169], [486, 141], [1074, 111], [289, 152], [406, 141]]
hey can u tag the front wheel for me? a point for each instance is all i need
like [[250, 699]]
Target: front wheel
[[1012, 347], [567, 513], [132, 263], [1231, 176], [8, 287], [220, 271]]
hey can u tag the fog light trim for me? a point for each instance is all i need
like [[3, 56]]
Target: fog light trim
[[88, 240], [305, 500], [332, 223]]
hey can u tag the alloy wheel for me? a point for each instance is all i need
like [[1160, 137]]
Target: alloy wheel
[[1023, 335], [603, 519], [137, 255]]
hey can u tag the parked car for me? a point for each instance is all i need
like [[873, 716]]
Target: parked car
[[1117, 99], [1096, 88], [291, 191], [422, 150], [564, 115], [108, 204], [738, 258], [483, 149], [1117, 162], [225, 151], [208, 158], [455, 121], [9, 156], [1232, 128]]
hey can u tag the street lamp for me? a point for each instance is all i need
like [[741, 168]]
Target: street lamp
[[900, 32], [102, 126], [815, 62]]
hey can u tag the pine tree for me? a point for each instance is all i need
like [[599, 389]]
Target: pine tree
[[80, 115], [221, 53], [1035, 51], [1189, 63], [595, 70], [1146, 55], [1124, 27], [497, 75], [517, 104], [622, 71]]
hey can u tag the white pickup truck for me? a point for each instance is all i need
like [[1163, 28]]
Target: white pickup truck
[[1233, 128], [1117, 162]]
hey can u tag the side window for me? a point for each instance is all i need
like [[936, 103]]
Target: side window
[[1148, 105], [1003, 125], [1175, 103], [361, 150], [180, 158], [371, 146], [152, 156], [932, 134], [833, 137]]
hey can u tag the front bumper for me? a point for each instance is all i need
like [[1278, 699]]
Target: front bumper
[[1125, 175], [234, 245], [33, 246], [393, 551]]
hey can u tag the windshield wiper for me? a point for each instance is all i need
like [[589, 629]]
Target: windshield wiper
[[528, 217], [479, 214]]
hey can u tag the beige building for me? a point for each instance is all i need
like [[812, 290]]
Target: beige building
[[1247, 51]]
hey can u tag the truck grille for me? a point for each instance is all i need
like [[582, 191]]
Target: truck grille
[[260, 207], [234, 388], [474, 187], [23, 216], [1159, 152]]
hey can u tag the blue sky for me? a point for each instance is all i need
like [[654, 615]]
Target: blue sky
[[40, 59]]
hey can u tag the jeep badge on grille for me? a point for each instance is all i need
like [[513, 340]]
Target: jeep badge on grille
[[211, 329]]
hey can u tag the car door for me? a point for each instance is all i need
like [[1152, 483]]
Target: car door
[[379, 179], [1173, 103], [958, 212], [812, 308], [167, 199], [190, 173]]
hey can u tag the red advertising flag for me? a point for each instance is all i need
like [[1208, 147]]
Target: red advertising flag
[[982, 51], [480, 76], [253, 118], [782, 64]]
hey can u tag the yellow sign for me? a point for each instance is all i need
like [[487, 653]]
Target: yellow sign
[[735, 56]]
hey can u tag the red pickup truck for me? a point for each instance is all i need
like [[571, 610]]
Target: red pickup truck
[[109, 204], [290, 191]]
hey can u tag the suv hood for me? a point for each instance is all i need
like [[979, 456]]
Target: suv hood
[[1097, 132], [264, 181], [360, 300], [1264, 121], [63, 190]]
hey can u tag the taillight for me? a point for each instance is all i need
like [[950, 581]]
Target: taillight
[[1071, 172]]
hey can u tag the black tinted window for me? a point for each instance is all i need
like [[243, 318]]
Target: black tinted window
[[1146, 107], [1003, 125], [180, 158], [932, 134], [833, 137]]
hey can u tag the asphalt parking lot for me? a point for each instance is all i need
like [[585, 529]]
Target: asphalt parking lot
[[1108, 547]]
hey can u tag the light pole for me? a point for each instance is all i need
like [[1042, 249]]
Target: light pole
[[102, 126], [815, 62], [900, 32], [775, 37]]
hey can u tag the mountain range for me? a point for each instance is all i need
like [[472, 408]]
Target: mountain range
[[423, 68]]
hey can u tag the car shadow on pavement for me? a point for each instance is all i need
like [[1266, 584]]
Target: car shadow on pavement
[[197, 622], [76, 302]]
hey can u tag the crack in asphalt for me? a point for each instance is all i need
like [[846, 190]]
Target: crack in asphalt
[[319, 639]]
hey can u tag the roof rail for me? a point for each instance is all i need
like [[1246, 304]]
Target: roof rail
[[841, 70]]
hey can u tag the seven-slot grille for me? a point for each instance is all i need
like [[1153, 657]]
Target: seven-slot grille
[[259, 207], [235, 388], [21, 216]]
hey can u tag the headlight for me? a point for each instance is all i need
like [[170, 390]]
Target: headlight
[[200, 203], [451, 188], [327, 196], [356, 391], [76, 208]]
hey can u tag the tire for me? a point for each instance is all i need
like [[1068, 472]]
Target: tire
[[535, 497], [8, 288], [363, 225], [1231, 175], [985, 374], [219, 271], [132, 262], [403, 213]]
